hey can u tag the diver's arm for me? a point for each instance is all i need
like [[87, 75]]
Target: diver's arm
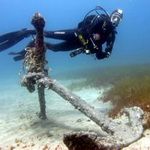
[[66, 35], [109, 44], [26, 33], [100, 54]]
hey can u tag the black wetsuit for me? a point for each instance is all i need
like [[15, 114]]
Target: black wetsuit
[[91, 25]]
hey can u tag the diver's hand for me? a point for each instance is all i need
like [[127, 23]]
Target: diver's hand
[[87, 51], [107, 54], [102, 55]]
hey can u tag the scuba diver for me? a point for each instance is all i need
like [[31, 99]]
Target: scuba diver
[[88, 37]]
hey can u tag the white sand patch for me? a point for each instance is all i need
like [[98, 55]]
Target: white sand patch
[[141, 144], [20, 127]]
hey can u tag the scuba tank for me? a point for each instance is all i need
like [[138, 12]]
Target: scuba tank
[[98, 11]]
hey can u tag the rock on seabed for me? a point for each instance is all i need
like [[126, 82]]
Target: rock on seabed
[[142, 144]]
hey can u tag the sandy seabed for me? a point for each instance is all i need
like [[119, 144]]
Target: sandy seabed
[[20, 127]]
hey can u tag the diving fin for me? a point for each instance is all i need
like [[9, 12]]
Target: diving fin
[[17, 56], [10, 39]]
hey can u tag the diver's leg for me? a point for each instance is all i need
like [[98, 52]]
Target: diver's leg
[[64, 46], [61, 34]]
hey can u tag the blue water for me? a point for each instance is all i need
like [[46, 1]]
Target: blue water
[[132, 42], [131, 47]]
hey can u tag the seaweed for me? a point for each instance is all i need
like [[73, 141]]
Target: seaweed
[[131, 91], [130, 86]]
